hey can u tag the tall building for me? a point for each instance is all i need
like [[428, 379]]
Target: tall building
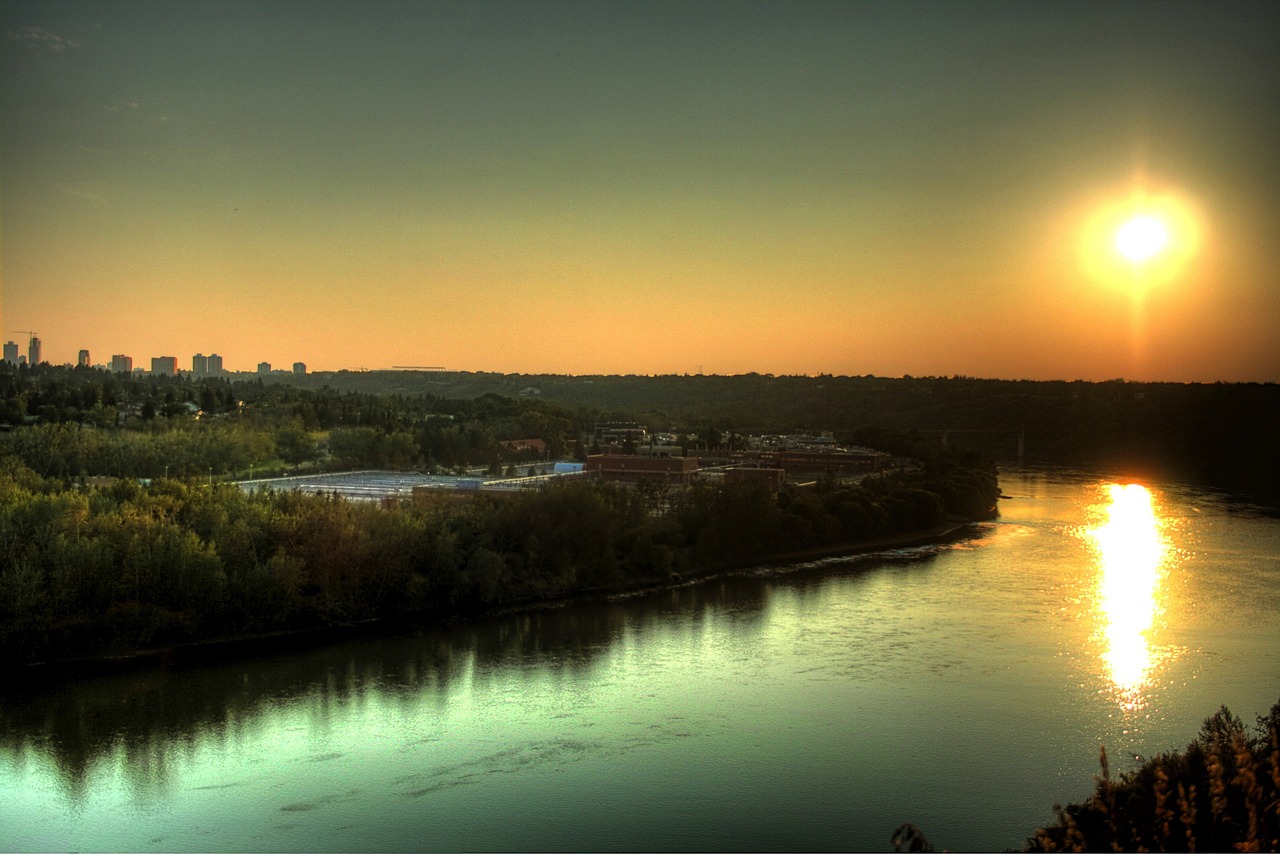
[[164, 366], [83, 360], [299, 367], [122, 364], [264, 367], [206, 366], [11, 352], [33, 351]]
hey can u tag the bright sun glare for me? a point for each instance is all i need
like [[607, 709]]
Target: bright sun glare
[[1141, 241], [1142, 237]]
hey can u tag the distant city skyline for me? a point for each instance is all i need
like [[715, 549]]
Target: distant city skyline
[[201, 364], [991, 188]]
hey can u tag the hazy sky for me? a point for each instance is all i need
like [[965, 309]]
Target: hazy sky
[[924, 188]]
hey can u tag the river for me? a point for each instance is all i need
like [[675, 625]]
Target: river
[[964, 688]]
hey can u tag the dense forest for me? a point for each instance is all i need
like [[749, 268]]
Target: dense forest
[[161, 551], [1216, 434]]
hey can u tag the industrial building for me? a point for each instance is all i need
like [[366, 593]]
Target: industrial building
[[825, 463], [773, 478], [620, 432], [629, 468]]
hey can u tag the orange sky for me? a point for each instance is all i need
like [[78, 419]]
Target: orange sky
[[851, 188]]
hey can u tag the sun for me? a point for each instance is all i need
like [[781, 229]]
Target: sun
[[1141, 238]]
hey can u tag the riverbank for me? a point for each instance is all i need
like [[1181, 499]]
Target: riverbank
[[214, 650]]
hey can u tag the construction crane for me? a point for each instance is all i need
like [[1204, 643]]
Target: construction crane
[[32, 337]]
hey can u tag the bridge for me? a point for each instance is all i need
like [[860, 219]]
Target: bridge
[[945, 434]]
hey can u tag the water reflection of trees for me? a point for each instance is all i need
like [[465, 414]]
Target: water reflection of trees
[[146, 720]]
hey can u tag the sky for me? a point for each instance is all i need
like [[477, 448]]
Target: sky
[[888, 188]]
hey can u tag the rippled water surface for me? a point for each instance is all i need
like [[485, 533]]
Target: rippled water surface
[[965, 689]]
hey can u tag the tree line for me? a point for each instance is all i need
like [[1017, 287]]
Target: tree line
[[1217, 434], [131, 565], [86, 422]]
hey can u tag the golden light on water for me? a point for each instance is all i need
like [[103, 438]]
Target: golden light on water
[[1131, 553]]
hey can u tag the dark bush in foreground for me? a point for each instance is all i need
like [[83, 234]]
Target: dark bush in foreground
[[1219, 794]]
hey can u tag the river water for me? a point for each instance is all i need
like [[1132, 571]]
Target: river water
[[963, 688]]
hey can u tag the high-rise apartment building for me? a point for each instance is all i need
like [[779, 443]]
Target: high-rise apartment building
[[11, 352], [83, 359], [206, 366], [164, 366], [122, 364], [264, 367], [33, 351], [299, 367]]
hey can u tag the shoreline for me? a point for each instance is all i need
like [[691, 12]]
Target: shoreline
[[225, 649]]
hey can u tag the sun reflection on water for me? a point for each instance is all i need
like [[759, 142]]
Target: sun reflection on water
[[1132, 554]]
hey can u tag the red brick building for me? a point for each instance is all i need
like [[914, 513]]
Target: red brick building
[[773, 478], [632, 468]]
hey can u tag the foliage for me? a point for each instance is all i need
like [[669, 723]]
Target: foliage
[[110, 565], [1222, 793], [87, 570], [83, 422], [1219, 434]]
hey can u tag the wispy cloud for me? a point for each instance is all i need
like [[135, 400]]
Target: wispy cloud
[[38, 38], [93, 192], [135, 107]]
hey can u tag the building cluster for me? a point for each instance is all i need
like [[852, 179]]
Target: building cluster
[[201, 365], [31, 357], [627, 452]]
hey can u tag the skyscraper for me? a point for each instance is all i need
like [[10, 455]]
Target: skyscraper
[[11, 352], [206, 366], [122, 364], [164, 366], [299, 367], [83, 360], [33, 351]]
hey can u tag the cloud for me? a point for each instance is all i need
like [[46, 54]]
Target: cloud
[[93, 192], [38, 38]]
